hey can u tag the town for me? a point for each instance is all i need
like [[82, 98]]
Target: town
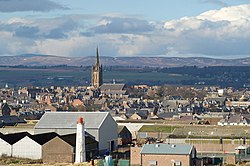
[[130, 125]]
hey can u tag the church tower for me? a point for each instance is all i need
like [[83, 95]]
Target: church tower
[[96, 76]]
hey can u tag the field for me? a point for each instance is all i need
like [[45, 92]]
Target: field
[[157, 128], [77, 76], [189, 131]]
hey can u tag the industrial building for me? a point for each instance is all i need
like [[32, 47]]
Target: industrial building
[[100, 125], [61, 149], [30, 146], [7, 140]]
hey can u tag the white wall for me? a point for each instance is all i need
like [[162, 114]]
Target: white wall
[[27, 148], [5, 148], [107, 132]]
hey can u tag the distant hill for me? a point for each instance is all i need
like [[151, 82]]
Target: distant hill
[[49, 60]]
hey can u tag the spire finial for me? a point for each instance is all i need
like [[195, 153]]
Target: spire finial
[[97, 57]]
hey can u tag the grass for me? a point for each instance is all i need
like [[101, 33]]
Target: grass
[[157, 128], [17, 161], [78, 76]]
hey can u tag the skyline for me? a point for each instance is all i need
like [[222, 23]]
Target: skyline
[[217, 29]]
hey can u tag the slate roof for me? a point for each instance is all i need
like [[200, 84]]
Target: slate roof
[[142, 115], [176, 149], [176, 98], [43, 138], [10, 120], [165, 115], [236, 119], [13, 138], [93, 120], [112, 87]]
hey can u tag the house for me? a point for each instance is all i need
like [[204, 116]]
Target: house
[[235, 120], [77, 103], [100, 125], [164, 154], [124, 135], [167, 115], [61, 149], [138, 116], [113, 90], [30, 146], [7, 140], [10, 121], [50, 108], [173, 104], [5, 110]]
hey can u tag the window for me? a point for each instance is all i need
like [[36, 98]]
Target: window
[[152, 163], [176, 163]]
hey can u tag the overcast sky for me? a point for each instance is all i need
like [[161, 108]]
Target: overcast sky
[[183, 28]]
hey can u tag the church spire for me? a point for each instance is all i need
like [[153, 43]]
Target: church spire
[[97, 72], [97, 57]]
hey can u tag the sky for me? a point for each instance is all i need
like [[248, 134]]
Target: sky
[[166, 28]]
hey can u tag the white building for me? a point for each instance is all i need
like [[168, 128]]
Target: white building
[[234, 120], [100, 125], [31, 146], [5, 148], [6, 142]]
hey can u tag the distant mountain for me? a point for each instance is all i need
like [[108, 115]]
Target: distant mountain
[[50, 60]]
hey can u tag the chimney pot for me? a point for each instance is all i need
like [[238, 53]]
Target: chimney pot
[[80, 120]]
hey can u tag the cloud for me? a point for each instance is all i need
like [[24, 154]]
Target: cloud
[[29, 5], [216, 2], [25, 31], [216, 33], [122, 25]]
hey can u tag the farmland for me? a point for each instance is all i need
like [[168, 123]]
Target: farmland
[[63, 75], [77, 76]]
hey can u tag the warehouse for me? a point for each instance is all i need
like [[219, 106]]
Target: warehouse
[[100, 125], [31, 146], [61, 149], [7, 140]]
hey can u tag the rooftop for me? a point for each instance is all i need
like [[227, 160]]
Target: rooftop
[[69, 119], [177, 149]]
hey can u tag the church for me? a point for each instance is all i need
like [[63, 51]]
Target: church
[[111, 90], [96, 75]]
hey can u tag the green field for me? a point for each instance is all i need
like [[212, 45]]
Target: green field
[[157, 128], [189, 131], [147, 76], [76, 76]]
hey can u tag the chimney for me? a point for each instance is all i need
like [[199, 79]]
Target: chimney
[[80, 142]]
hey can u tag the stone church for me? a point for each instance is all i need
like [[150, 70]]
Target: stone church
[[96, 75]]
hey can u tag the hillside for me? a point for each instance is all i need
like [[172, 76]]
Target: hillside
[[49, 60]]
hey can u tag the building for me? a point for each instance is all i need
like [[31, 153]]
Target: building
[[164, 154], [100, 125], [113, 90], [96, 75], [5, 110], [10, 121], [7, 140], [30, 146], [124, 136], [61, 149], [234, 120]]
